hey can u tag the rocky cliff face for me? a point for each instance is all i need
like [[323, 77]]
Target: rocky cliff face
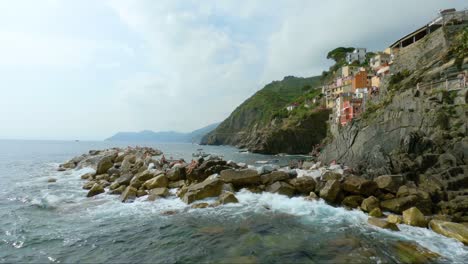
[[418, 133], [255, 123]]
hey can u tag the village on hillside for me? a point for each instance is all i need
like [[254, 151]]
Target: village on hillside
[[359, 80]]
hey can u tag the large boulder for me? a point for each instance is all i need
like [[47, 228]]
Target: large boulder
[[331, 175], [450, 229], [153, 194], [390, 183], [330, 191], [370, 204], [240, 178], [400, 204], [414, 217], [274, 177], [353, 201], [396, 219], [205, 189], [160, 181], [129, 194], [144, 175], [303, 185], [177, 173], [281, 188], [413, 253], [95, 190], [358, 185], [382, 224], [104, 164], [124, 179], [227, 197]]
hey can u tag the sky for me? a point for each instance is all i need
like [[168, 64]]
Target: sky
[[86, 69]]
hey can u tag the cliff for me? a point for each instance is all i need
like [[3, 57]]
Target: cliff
[[263, 125]]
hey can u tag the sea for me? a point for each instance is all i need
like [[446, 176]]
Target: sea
[[43, 222]]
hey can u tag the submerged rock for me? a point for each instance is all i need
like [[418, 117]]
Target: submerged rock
[[129, 194], [51, 180], [200, 205], [413, 253], [227, 197], [95, 190], [450, 229]]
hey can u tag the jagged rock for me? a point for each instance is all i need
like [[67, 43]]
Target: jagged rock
[[207, 188], [240, 178], [376, 212], [176, 184], [414, 217], [153, 194], [450, 229], [104, 183], [176, 174], [118, 190], [330, 175], [87, 176], [114, 186], [144, 175], [359, 185], [281, 188], [398, 205], [104, 164], [141, 193], [412, 253], [124, 179], [89, 185], [104, 176], [274, 177], [95, 190], [303, 185], [370, 203], [330, 191], [312, 197], [135, 183], [156, 182], [227, 197], [390, 183], [353, 201], [129, 194], [382, 224], [395, 219]]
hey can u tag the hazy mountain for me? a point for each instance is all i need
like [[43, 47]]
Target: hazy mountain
[[164, 136]]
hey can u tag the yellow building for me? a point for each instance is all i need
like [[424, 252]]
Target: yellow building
[[375, 81], [349, 71]]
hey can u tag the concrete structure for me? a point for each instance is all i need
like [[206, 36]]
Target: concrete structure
[[347, 71], [358, 54], [380, 60], [448, 16]]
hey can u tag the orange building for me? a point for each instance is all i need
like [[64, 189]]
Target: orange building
[[359, 80]]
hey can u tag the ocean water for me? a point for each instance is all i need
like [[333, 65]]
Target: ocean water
[[44, 222]]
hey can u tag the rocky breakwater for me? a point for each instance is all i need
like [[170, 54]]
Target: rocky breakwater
[[389, 200]]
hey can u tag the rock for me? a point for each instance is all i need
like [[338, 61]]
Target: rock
[[157, 182], [141, 193], [88, 185], [153, 194], [303, 185], [390, 183], [370, 204], [228, 187], [447, 160], [450, 229], [124, 179], [330, 191], [95, 190], [205, 189], [119, 190], [104, 176], [51, 180], [240, 178], [398, 205], [281, 188], [176, 174], [87, 176], [382, 224], [200, 205], [145, 176], [114, 186], [265, 169], [404, 191], [376, 212], [135, 183], [274, 177], [413, 253], [395, 219], [414, 217], [227, 197], [330, 175], [307, 165], [104, 164], [129, 194], [176, 184], [359, 185], [312, 197], [353, 201]]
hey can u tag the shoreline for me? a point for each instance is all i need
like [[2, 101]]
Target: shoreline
[[136, 172]]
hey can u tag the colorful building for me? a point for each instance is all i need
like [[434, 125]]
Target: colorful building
[[358, 54], [380, 60]]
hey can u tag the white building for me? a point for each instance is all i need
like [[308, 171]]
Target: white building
[[358, 54]]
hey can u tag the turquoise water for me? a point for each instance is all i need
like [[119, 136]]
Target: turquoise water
[[42, 222]]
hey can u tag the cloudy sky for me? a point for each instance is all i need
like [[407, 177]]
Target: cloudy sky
[[85, 69]]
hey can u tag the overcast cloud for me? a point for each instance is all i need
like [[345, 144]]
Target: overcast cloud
[[88, 69]]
